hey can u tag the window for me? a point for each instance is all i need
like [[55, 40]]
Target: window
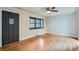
[[36, 23]]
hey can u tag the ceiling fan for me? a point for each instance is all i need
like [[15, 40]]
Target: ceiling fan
[[50, 10]]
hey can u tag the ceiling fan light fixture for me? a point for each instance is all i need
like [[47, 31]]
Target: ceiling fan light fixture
[[48, 12]]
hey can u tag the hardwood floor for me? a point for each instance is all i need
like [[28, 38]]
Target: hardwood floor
[[46, 42]]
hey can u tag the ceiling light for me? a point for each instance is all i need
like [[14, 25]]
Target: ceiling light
[[48, 12]]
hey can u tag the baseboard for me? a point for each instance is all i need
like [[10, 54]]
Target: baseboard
[[74, 37], [71, 36]]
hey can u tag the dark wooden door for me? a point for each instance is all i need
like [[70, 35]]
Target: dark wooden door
[[10, 27]]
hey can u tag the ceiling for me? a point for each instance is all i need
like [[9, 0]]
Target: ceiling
[[40, 10]]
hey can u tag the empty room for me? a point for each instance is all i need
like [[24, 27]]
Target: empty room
[[39, 29]]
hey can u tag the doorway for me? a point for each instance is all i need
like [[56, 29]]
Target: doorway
[[10, 27]]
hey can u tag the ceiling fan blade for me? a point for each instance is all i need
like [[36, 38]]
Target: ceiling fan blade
[[49, 8], [53, 7], [54, 10]]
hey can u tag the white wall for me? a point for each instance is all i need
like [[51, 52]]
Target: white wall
[[24, 31], [77, 14], [63, 25]]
